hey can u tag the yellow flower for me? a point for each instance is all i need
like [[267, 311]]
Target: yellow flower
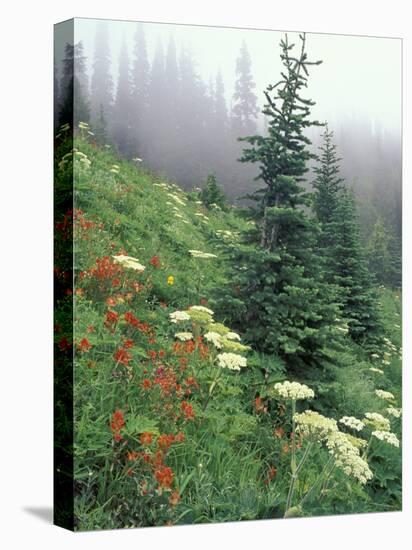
[[170, 280]]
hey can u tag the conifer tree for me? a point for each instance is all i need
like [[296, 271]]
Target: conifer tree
[[212, 194], [73, 88], [220, 109], [100, 128], [56, 94], [328, 183], [122, 121], [347, 269], [244, 107], [279, 296], [156, 109], [170, 132], [193, 109], [140, 80], [218, 127], [101, 81]]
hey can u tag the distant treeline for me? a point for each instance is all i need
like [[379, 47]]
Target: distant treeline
[[163, 112]]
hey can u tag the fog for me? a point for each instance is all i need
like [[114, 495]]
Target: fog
[[360, 76], [357, 90]]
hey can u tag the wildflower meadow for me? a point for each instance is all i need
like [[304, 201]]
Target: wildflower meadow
[[215, 362]]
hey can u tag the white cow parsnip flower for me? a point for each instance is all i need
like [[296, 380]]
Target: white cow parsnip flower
[[293, 390], [184, 336], [377, 421], [382, 394], [231, 361], [178, 316], [129, 261], [387, 437], [352, 422]]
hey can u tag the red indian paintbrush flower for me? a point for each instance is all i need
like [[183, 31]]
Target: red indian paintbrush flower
[[84, 345], [188, 411], [111, 318], [116, 424], [146, 438], [164, 476], [122, 356], [155, 261]]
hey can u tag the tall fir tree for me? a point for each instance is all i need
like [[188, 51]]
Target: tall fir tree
[[56, 94], [170, 131], [244, 106], [156, 111], [346, 268], [278, 296], [218, 127], [140, 90], [122, 123], [193, 109], [328, 183], [220, 109], [74, 104], [100, 128], [101, 81]]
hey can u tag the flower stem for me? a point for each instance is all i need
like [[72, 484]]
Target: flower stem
[[295, 475], [317, 482], [293, 462], [211, 388]]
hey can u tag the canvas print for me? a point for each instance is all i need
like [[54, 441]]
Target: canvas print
[[228, 274]]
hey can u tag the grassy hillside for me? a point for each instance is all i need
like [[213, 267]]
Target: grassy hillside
[[168, 431]]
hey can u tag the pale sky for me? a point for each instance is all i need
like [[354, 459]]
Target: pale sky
[[359, 77]]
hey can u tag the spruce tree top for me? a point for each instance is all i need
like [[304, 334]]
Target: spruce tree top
[[328, 183], [282, 153]]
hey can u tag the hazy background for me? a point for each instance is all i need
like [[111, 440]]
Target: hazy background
[[360, 76], [357, 90]]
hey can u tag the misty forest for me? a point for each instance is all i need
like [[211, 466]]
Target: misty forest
[[235, 319]]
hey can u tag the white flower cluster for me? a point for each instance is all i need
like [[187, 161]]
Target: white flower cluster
[[393, 411], [222, 338], [373, 369], [386, 436], [293, 390], [214, 338], [312, 424], [128, 261], [352, 422], [384, 394], [347, 457], [178, 316], [184, 336], [200, 254], [231, 361], [377, 421]]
